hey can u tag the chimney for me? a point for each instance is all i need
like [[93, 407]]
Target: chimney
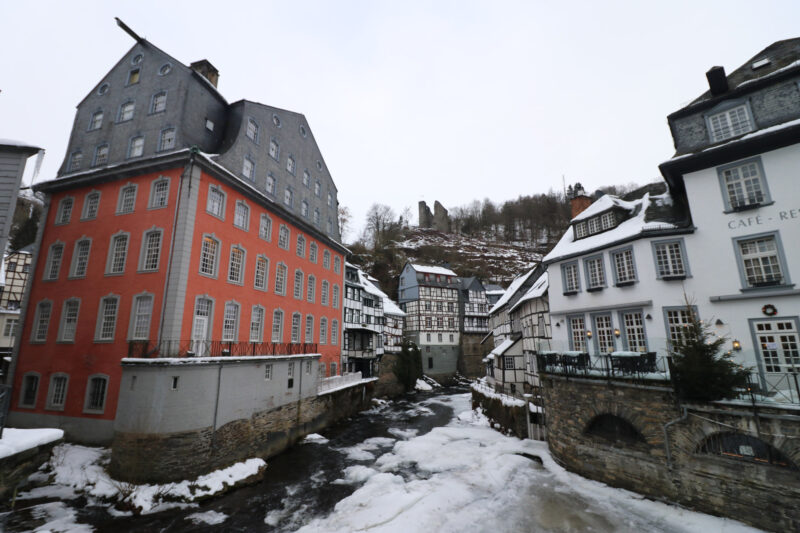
[[207, 70], [579, 203], [717, 81]]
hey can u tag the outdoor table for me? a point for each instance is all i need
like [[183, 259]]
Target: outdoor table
[[625, 362]]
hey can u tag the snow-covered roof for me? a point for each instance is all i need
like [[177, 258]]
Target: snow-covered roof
[[18, 144], [368, 286], [511, 290], [537, 290], [391, 308], [604, 203], [503, 347], [427, 269], [647, 214]]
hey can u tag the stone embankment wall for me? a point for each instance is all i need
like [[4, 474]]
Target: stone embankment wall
[[470, 360], [662, 456], [388, 385], [508, 412], [229, 411], [16, 468]]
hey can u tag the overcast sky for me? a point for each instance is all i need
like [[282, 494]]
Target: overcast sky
[[409, 101]]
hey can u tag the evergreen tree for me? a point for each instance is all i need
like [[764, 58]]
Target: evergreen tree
[[408, 365], [701, 373]]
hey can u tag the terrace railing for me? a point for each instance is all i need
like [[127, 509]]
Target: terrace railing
[[645, 366], [193, 348], [773, 388]]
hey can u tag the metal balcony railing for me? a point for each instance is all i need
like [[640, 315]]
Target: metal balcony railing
[[194, 348]]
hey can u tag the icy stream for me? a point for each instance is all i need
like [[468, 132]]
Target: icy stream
[[423, 464]]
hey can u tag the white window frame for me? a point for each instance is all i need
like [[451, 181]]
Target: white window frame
[[100, 331], [65, 334], [55, 256], [756, 261], [134, 333], [297, 325], [241, 215], [669, 257], [324, 292], [51, 405], [167, 139], [743, 185], [265, 227], [594, 269], [215, 203], [311, 288], [323, 330], [284, 236], [299, 281], [111, 261], [41, 321], [136, 146], [122, 201], [625, 271], [264, 284], [570, 277], [300, 248], [145, 260], [281, 274], [731, 122], [230, 324], [159, 199], [214, 259], [313, 250], [87, 404], [65, 208], [234, 276], [277, 326], [85, 212]]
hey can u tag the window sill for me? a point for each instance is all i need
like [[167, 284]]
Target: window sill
[[767, 288], [219, 217], [113, 274], [749, 207], [94, 411], [53, 408], [595, 289], [141, 271], [570, 293], [103, 341], [673, 278], [625, 283], [87, 219], [205, 275], [118, 213], [156, 207]]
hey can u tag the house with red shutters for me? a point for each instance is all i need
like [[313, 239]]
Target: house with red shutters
[[179, 225]]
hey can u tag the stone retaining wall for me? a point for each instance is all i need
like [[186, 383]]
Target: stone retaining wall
[[511, 418], [160, 458], [762, 495], [16, 468]]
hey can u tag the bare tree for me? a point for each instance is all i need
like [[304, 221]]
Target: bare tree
[[381, 225], [344, 220]]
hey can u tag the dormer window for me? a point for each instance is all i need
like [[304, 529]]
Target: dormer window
[[595, 224], [730, 123], [607, 221]]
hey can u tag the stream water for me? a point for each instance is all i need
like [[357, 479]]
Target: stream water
[[421, 463]]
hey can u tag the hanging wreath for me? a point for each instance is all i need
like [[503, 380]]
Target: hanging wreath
[[769, 310]]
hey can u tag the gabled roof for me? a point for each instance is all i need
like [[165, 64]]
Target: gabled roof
[[366, 281], [537, 290], [511, 290], [649, 215]]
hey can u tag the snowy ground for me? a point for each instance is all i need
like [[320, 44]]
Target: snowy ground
[[468, 477]]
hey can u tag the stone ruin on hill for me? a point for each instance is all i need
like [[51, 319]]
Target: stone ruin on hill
[[438, 220]]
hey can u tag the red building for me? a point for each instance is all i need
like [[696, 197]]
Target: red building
[[161, 250]]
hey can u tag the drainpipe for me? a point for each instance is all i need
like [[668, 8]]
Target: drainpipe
[[216, 410], [683, 417]]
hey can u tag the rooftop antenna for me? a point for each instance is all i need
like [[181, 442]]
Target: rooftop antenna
[[128, 30]]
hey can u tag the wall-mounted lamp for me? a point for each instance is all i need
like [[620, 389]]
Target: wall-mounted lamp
[[648, 317], [558, 324], [737, 346], [719, 323], [616, 332], [588, 334]]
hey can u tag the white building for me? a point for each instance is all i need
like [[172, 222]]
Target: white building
[[363, 323], [724, 235], [392, 327], [429, 297], [531, 313]]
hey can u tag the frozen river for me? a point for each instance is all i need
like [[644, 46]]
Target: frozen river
[[426, 463]]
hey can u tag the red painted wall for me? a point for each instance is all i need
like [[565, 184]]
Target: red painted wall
[[246, 296], [85, 357]]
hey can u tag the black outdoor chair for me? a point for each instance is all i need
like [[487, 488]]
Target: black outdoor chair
[[647, 363]]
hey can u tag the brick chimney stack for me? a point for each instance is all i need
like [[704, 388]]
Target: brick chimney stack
[[207, 70], [579, 201]]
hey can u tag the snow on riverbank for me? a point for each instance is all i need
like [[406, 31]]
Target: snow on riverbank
[[467, 477], [16, 440], [81, 469]]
